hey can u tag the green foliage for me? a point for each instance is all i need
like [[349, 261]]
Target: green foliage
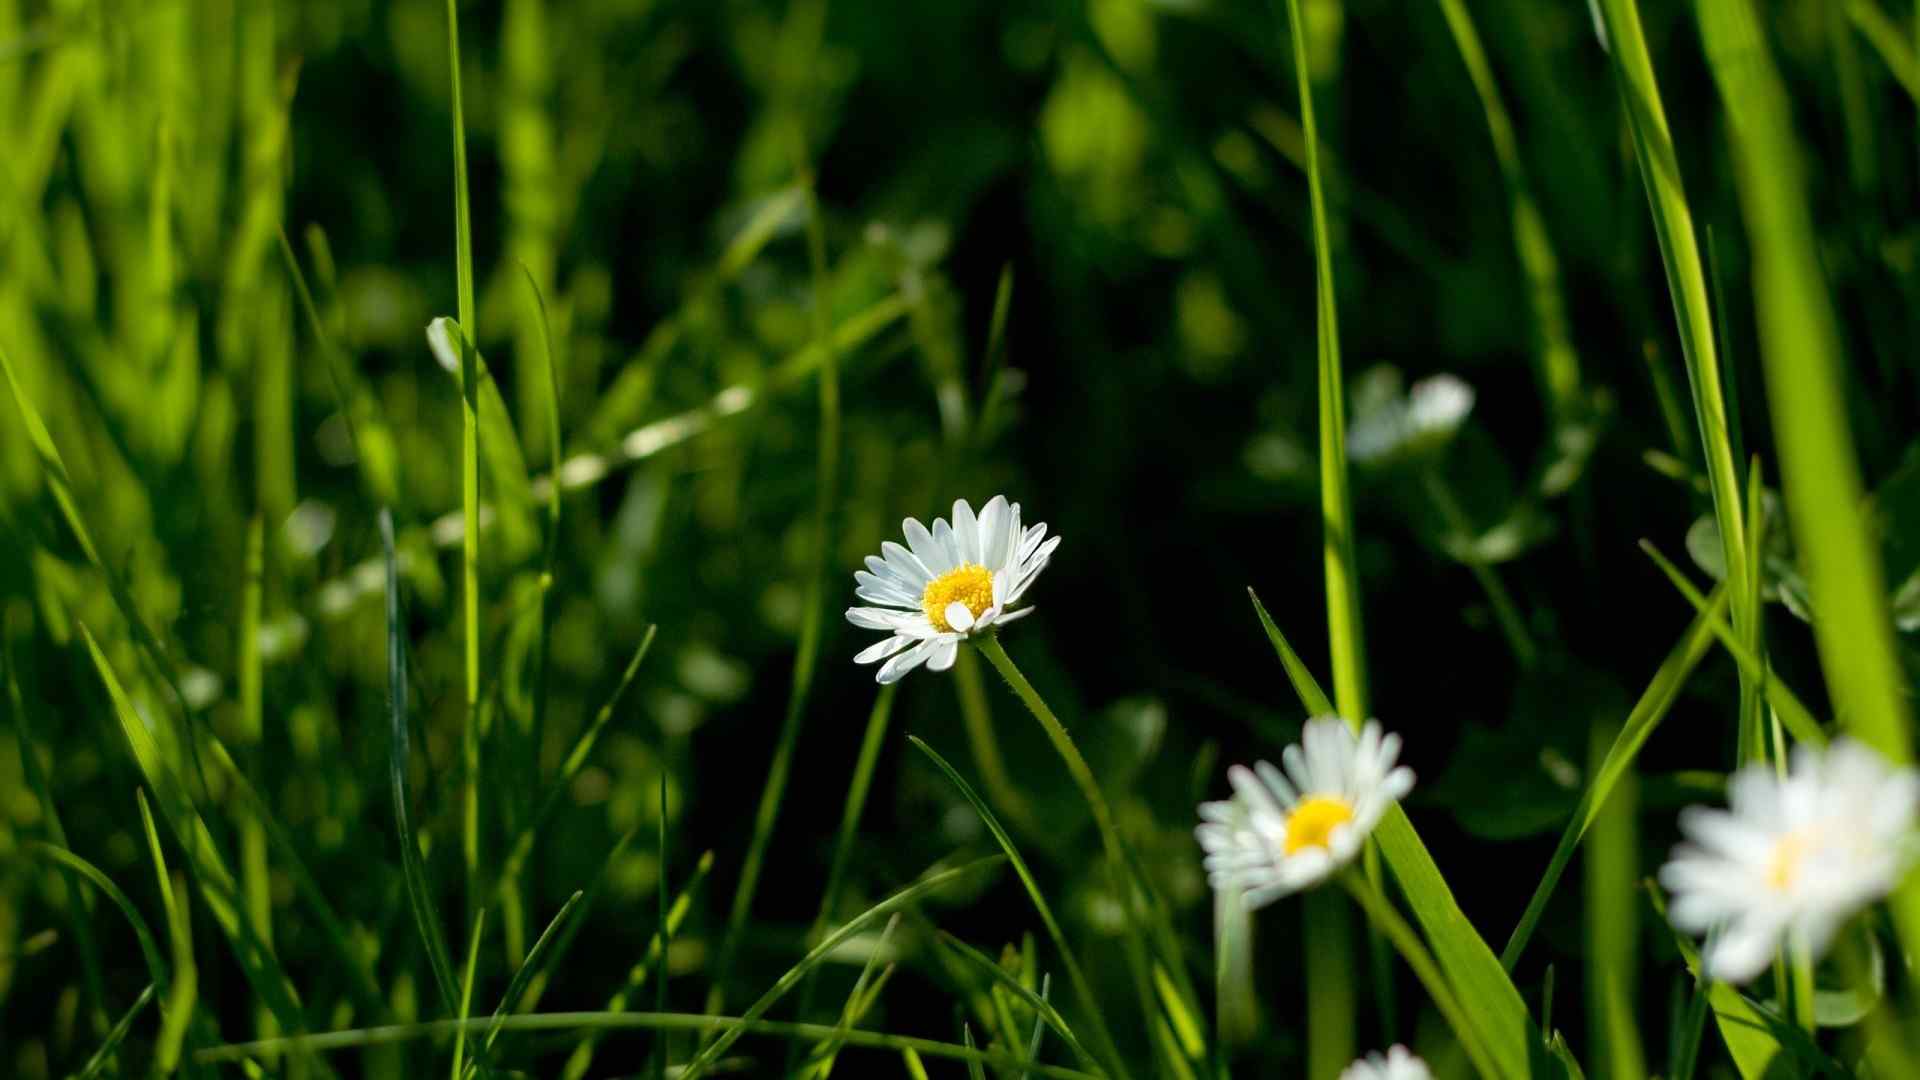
[[438, 438]]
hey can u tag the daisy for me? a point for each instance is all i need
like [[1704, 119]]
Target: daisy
[[1424, 419], [1284, 832], [1792, 858], [948, 583], [1398, 1063]]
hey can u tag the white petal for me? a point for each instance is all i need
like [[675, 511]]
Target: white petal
[[896, 668], [996, 542], [959, 617], [882, 649], [907, 563], [921, 542], [943, 536], [1013, 616], [966, 532], [943, 655]]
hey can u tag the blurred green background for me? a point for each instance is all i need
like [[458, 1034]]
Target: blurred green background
[[1130, 173]]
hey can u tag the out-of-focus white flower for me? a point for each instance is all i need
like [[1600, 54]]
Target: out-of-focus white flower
[[1791, 859], [949, 583], [1426, 418], [1284, 832], [1398, 1063]]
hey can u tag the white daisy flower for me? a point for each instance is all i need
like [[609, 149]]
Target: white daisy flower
[[948, 583], [1399, 1063], [1284, 832], [1391, 425], [1791, 859]]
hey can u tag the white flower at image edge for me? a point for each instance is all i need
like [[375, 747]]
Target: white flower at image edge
[[948, 583], [1791, 859], [1398, 1063], [1287, 831]]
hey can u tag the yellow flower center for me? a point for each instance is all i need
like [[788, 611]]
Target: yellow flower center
[[1312, 822], [968, 583], [1784, 867]]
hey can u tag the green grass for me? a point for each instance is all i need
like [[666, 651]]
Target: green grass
[[423, 655]]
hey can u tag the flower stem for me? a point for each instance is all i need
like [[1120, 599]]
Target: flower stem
[[1124, 880], [1082, 773]]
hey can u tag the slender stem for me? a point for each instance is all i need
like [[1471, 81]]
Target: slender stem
[[1505, 611], [1800, 959], [1388, 922], [1123, 879], [978, 721], [1077, 766]]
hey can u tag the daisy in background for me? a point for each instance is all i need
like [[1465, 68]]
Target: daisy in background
[[1791, 859], [1391, 426], [947, 584], [1398, 1063], [1284, 832]]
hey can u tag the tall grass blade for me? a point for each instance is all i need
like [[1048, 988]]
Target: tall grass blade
[[117, 1035], [1042, 1007], [466, 993], [1805, 376], [183, 986], [604, 1022], [1646, 715], [820, 952], [1081, 986], [419, 887]]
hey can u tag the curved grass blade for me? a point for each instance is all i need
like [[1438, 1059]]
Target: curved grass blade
[[143, 936], [850, 812], [466, 992], [899, 1044], [1887, 39], [210, 873], [1109, 1048], [529, 967], [856, 1005], [582, 1058], [1646, 715], [575, 760], [1380, 913], [78, 907], [552, 545], [786, 982], [177, 1012], [419, 889], [1792, 712], [116, 1035], [1042, 1008]]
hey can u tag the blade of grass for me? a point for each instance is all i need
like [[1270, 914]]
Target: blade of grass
[[1380, 913], [183, 986], [469, 470], [78, 906], [1109, 1049], [1800, 346], [466, 993], [116, 1035], [820, 952], [1612, 911], [576, 759], [143, 936], [1558, 363], [1645, 715], [822, 1056], [843, 842], [1686, 281], [419, 888], [552, 546], [255, 887], [1042, 1007], [582, 1058], [210, 873], [536, 957], [1887, 39], [899, 1044], [1786, 705]]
